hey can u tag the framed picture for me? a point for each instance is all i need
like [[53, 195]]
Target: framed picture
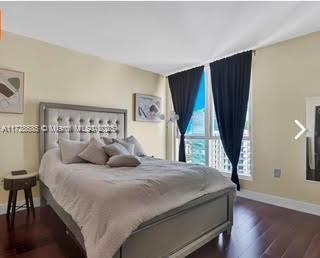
[[147, 108], [313, 139], [11, 91]]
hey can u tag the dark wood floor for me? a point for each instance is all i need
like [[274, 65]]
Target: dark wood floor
[[260, 230]]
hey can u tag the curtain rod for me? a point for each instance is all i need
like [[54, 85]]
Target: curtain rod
[[208, 62]]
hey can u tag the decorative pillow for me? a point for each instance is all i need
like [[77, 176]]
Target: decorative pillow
[[115, 149], [124, 161], [138, 150], [70, 150], [94, 152], [127, 145], [107, 140]]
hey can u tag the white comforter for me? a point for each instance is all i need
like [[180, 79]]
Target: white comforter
[[108, 204]]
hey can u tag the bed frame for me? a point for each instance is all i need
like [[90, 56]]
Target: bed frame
[[174, 234]]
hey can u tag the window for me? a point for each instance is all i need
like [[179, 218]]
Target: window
[[202, 140]]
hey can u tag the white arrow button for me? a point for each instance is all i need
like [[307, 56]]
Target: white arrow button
[[303, 129]]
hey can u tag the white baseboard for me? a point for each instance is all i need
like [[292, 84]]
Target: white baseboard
[[281, 201], [3, 206]]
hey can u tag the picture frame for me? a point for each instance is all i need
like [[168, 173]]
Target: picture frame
[[11, 91], [312, 137], [147, 108]]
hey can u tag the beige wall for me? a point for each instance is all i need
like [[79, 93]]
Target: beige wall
[[55, 74], [283, 76]]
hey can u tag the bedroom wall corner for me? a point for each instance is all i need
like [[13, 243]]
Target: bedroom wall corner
[[170, 129], [284, 74]]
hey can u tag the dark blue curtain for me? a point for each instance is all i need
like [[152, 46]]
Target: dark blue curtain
[[230, 86], [184, 87]]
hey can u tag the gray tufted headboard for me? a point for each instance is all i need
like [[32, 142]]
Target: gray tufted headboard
[[78, 123]]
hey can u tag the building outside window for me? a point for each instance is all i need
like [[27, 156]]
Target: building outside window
[[202, 140]]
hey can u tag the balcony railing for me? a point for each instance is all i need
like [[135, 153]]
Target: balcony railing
[[210, 152]]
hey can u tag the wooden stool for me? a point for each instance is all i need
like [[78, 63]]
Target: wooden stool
[[20, 182]]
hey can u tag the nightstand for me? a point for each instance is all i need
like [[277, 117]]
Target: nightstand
[[14, 183]]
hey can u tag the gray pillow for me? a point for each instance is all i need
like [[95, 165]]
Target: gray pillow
[[115, 149], [124, 161], [70, 150], [127, 145], [138, 150], [94, 152]]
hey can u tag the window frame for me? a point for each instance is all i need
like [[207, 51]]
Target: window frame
[[208, 127]]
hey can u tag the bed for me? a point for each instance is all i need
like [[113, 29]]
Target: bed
[[176, 232]]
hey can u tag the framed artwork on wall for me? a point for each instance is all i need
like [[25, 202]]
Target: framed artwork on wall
[[11, 91], [313, 138], [147, 108]]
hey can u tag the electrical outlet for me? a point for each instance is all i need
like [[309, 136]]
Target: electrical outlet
[[277, 172]]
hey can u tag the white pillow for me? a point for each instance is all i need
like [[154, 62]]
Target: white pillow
[[94, 152], [107, 140], [70, 150], [138, 150], [115, 149], [124, 161]]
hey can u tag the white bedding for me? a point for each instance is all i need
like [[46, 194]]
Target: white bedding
[[108, 204]]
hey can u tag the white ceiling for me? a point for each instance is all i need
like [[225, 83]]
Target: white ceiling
[[162, 37]]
